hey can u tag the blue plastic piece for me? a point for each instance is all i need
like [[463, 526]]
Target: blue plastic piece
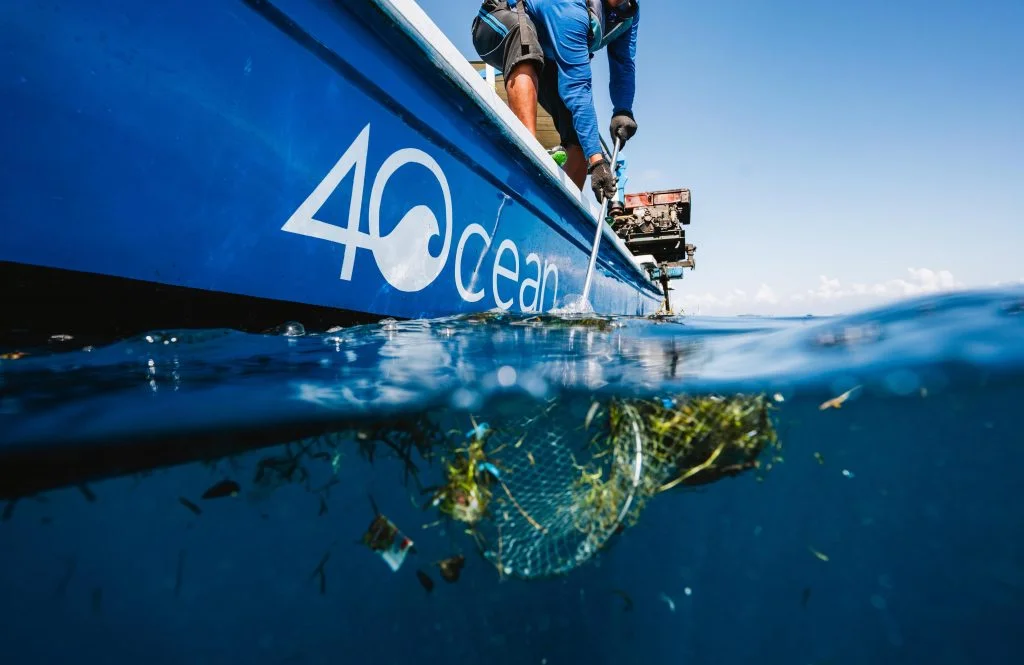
[[489, 468], [478, 432]]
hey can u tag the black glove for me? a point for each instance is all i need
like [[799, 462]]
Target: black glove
[[623, 127], [602, 180]]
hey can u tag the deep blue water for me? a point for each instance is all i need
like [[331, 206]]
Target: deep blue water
[[913, 496]]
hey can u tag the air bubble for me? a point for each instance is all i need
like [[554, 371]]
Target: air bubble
[[507, 376]]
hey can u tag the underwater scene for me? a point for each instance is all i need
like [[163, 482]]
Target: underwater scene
[[512, 489]]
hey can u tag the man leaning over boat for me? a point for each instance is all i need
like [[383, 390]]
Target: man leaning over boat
[[543, 48]]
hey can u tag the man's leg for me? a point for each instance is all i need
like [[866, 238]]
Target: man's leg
[[575, 164], [521, 86], [506, 39]]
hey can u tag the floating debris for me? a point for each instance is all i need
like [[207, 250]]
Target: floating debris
[[384, 538], [818, 456], [590, 414], [321, 572], [222, 489], [425, 580], [191, 506], [627, 601], [838, 401], [451, 568], [820, 555], [848, 473]]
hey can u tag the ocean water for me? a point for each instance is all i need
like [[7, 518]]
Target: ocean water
[[889, 528]]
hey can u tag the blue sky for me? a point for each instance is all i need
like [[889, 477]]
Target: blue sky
[[839, 154]]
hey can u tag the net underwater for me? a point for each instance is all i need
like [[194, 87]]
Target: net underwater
[[522, 490]]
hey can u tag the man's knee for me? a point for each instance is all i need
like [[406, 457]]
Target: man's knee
[[521, 72]]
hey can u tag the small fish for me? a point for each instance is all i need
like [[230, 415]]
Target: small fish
[[668, 601], [820, 555], [818, 456], [590, 414], [838, 401], [425, 580], [805, 596], [222, 489], [191, 506], [323, 507], [628, 602]]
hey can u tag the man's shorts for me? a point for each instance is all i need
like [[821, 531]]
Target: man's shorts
[[505, 37]]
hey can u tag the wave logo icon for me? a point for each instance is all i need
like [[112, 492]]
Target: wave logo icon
[[403, 255]]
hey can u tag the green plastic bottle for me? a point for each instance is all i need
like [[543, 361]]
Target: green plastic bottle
[[559, 155]]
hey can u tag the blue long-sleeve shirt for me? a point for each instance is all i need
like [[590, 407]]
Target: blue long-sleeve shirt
[[563, 27]]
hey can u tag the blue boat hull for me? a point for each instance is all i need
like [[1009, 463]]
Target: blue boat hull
[[304, 151]]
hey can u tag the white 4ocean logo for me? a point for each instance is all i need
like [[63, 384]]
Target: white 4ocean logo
[[403, 256]]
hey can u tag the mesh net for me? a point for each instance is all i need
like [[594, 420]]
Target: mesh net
[[542, 494]]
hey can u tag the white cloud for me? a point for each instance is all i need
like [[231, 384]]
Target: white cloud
[[829, 296], [766, 294]]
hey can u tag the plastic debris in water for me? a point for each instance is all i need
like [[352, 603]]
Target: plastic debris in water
[[628, 602], [838, 401], [425, 581], [191, 506], [489, 468], [451, 568], [479, 431], [320, 572], [594, 408], [384, 538], [222, 489]]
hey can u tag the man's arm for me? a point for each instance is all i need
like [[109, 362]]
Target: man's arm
[[622, 69], [569, 27]]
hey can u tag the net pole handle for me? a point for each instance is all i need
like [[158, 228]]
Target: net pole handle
[[597, 234]]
